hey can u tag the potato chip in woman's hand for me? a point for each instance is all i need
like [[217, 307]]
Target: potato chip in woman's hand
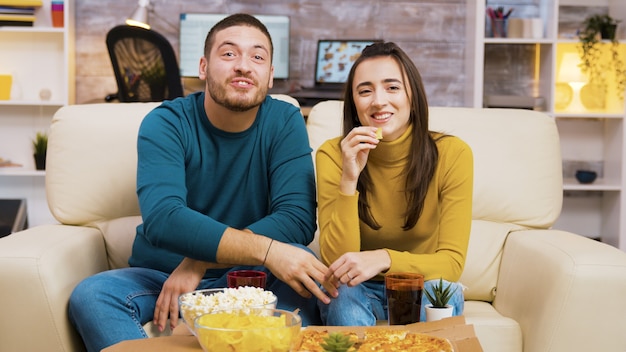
[[379, 133]]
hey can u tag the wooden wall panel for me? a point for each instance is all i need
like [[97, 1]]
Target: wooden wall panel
[[431, 31]]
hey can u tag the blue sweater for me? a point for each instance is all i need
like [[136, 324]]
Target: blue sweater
[[194, 181]]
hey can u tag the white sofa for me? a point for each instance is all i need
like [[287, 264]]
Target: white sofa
[[529, 288]]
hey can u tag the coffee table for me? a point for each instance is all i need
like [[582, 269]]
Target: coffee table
[[454, 329]]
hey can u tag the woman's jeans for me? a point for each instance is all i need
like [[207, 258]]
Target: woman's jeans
[[112, 306], [365, 303]]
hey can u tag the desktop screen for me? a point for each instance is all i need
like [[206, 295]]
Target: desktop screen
[[195, 26], [335, 58]]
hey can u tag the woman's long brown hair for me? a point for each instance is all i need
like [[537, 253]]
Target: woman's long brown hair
[[420, 169]]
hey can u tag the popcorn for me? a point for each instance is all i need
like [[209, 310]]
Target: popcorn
[[196, 303]]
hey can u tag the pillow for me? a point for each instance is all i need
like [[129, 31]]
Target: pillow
[[119, 235], [484, 253]]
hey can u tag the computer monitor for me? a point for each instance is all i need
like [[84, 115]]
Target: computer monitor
[[335, 58], [195, 26]]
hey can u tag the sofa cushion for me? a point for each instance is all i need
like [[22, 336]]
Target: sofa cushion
[[324, 122], [518, 146], [92, 162], [119, 235], [527, 137], [480, 275], [494, 331]]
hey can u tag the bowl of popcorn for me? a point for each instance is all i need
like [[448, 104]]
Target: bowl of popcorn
[[248, 330], [196, 303]]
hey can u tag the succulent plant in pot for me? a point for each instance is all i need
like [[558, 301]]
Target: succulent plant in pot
[[439, 298], [40, 149], [337, 342]]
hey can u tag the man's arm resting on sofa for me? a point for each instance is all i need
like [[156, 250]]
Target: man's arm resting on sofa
[[550, 281]]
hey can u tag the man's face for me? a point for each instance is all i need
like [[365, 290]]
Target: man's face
[[238, 71]]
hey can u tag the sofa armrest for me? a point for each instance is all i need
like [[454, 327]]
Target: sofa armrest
[[566, 291], [39, 268]]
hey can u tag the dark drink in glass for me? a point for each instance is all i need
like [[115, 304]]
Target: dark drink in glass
[[404, 297]]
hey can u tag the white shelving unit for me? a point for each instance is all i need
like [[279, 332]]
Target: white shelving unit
[[591, 139], [40, 59]]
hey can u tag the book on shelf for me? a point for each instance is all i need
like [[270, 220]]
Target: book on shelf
[[16, 20], [14, 17], [16, 23], [21, 3], [17, 10]]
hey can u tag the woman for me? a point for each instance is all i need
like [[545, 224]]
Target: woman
[[400, 204]]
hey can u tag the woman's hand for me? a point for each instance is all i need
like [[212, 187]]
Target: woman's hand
[[355, 149], [353, 268]]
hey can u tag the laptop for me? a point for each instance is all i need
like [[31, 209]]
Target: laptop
[[334, 59]]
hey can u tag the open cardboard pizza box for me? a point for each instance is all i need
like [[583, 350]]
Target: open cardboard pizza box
[[460, 334]]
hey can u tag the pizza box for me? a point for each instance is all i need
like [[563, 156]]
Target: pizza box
[[460, 334]]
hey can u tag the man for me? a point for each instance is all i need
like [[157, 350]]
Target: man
[[225, 179]]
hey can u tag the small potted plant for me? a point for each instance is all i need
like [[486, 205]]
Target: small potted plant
[[595, 29], [40, 149], [439, 298], [337, 342]]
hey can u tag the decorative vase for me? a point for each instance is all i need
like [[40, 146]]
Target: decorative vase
[[593, 96], [40, 161], [433, 313]]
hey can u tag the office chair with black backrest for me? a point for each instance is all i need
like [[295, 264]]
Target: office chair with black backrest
[[145, 65]]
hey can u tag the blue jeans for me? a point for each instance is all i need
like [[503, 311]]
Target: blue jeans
[[365, 303], [113, 306]]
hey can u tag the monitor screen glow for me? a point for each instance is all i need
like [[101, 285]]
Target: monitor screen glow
[[195, 26], [335, 58]]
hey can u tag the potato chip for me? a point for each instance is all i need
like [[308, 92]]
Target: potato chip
[[379, 133], [263, 330]]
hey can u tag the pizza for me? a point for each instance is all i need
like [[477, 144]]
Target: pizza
[[380, 340], [311, 340]]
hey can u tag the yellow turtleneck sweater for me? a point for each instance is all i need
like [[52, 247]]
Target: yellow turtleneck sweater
[[437, 245]]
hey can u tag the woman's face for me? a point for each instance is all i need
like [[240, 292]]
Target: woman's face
[[380, 96]]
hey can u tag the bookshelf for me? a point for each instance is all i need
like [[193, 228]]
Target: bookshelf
[[40, 59], [591, 130]]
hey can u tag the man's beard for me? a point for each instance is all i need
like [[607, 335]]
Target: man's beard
[[237, 102]]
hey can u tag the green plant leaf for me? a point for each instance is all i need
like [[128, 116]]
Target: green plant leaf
[[40, 143], [440, 296], [592, 63]]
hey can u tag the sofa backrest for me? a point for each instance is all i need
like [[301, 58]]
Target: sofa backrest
[[517, 176], [91, 170], [92, 161], [517, 160]]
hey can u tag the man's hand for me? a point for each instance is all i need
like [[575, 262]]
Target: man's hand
[[185, 278], [299, 269]]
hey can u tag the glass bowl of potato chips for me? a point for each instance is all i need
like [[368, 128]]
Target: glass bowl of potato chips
[[195, 303], [248, 330]]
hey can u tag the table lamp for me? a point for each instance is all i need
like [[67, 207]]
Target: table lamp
[[569, 72], [139, 17]]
